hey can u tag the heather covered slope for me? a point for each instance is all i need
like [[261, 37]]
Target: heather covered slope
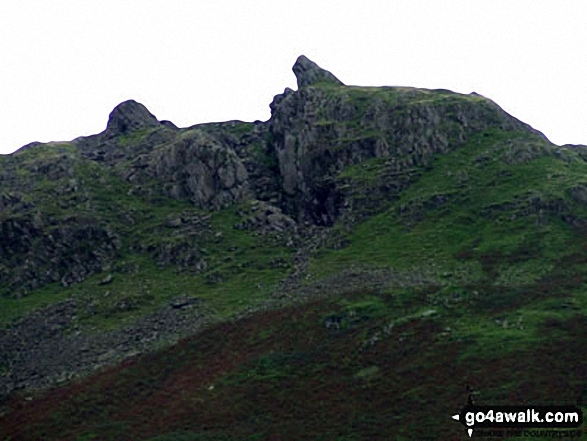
[[355, 261], [392, 371]]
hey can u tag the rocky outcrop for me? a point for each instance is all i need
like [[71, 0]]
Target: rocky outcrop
[[195, 167], [309, 73], [325, 127], [130, 116], [131, 131], [253, 145], [161, 160]]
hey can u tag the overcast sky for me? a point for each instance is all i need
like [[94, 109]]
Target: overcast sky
[[65, 64]]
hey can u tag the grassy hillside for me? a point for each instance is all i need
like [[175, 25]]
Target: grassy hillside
[[446, 265], [156, 257]]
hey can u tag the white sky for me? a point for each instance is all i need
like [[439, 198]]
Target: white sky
[[64, 65]]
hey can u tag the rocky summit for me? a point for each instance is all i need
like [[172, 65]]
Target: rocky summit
[[309, 73], [359, 266], [129, 116]]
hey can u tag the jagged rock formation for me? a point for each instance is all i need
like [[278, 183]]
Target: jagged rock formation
[[292, 163], [218, 200], [309, 73], [323, 128]]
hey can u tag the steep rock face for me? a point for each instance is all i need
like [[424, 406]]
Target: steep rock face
[[195, 167], [252, 144], [324, 127]]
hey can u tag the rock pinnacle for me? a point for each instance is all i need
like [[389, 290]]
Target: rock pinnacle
[[308, 73]]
